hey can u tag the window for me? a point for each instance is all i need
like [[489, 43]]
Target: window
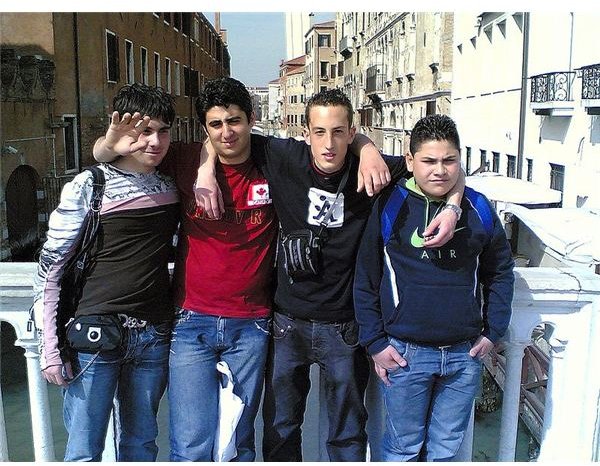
[[511, 166], [324, 40], [157, 82], [194, 83], [177, 21], [529, 169], [186, 81], [323, 88], [129, 62], [144, 64], [430, 109], [324, 67], [483, 158], [340, 68], [112, 57], [168, 75], [197, 30], [186, 24], [71, 143], [332, 72], [468, 161], [496, 162], [177, 79], [557, 177]]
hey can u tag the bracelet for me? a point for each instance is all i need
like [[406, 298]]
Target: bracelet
[[454, 208]]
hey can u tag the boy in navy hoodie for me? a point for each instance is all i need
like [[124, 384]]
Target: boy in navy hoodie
[[427, 316]]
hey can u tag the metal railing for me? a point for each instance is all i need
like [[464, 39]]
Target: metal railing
[[568, 300], [552, 87], [590, 82]]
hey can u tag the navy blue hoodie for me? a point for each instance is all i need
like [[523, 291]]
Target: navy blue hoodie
[[440, 296]]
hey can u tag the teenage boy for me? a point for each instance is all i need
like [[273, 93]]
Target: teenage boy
[[314, 321], [129, 279], [426, 315], [223, 273]]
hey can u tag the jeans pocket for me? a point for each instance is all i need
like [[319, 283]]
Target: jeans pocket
[[264, 325], [403, 348], [161, 329], [181, 315], [282, 325], [348, 331]]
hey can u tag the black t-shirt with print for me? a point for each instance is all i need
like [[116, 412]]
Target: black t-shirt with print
[[301, 196]]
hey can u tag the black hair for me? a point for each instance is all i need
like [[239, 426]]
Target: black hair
[[328, 98], [152, 101], [223, 92], [434, 128]]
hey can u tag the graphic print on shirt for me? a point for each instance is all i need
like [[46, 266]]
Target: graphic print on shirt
[[258, 194], [320, 203]]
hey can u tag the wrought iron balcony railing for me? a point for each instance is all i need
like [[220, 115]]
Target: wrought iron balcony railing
[[590, 86], [552, 87], [551, 93]]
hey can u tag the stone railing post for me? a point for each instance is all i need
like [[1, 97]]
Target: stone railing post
[[41, 424], [510, 401]]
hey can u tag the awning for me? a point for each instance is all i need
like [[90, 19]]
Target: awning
[[571, 232], [497, 187]]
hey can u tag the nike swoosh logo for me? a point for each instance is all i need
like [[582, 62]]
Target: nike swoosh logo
[[416, 241]]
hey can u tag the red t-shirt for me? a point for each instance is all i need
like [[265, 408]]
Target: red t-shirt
[[224, 267]]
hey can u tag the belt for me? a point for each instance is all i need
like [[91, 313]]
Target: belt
[[132, 322], [314, 321], [441, 347]]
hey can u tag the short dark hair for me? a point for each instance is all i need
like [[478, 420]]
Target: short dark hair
[[434, 128], [223, 92], [328, 98], [152, 101]]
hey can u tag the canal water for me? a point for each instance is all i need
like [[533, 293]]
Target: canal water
[[18, 423]]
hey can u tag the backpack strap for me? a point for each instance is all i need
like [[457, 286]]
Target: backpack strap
[[390, 211], [483, 209], [398, 196]]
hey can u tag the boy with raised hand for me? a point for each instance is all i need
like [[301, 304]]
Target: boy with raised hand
[[129, 279], [427, 315], [313, 321]]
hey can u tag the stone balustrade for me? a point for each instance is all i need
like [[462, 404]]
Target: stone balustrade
[[568, 300]]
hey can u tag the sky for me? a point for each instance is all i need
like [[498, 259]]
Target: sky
[[256, 43]]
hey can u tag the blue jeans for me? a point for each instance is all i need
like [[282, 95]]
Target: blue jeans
[[199, 342], [297, 344], [429, 402], [136, 377]]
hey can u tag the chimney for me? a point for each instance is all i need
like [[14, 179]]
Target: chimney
[[218, 22]]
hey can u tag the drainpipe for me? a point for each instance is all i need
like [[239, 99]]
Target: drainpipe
[[78, 85], [523, 104]]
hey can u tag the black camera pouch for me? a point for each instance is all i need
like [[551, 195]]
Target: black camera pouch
[[93, 333], [301, 250]]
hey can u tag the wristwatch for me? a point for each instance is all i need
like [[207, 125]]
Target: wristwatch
[[454, 208]]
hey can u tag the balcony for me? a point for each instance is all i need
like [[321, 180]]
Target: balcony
[[374, 81], [590, 88], [551, 93], [566, 299], [346, 46]]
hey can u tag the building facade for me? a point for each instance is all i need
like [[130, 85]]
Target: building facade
[[292, 96], [60, 72], [321, 60], [297, 25], [396, 68], [527, 113]]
